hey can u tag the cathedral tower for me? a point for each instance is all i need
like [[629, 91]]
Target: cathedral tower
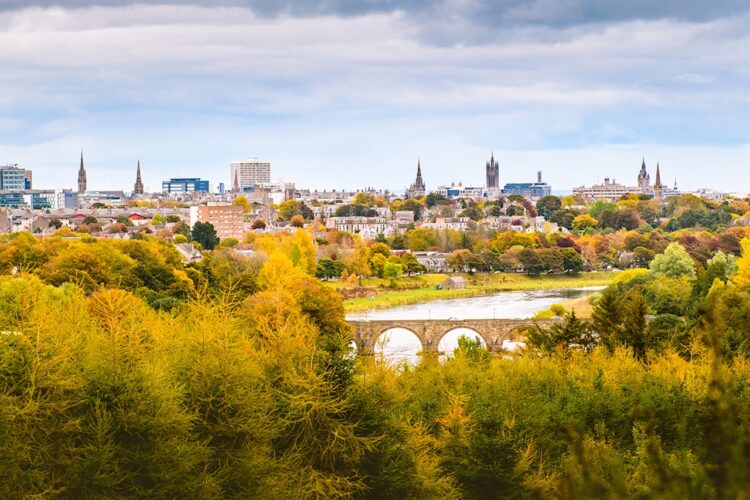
[[644, 180], [492, 170]]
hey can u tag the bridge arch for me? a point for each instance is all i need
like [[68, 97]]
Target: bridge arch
[[464, 331], [406, 345]]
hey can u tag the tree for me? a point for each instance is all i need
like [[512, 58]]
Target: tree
[[380, 248], [205, 234], [472, 213], [398, 242], [329, 269], [229, 242], [642, 257], [607, 318], [258, 224], [242, 201], [547, 205], [571, 333], [124, 219], [532, 264], [742, 276], [596, 208], [377, 264], [290, 208], [391, 272], [420, 239], [584, 221], [411, 265], [433, 199], [564, 217], [355, 210], [674, 263], [572, 261], [297, 221], [634, 323]]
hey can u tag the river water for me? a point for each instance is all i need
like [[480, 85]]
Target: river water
[[399, 345]]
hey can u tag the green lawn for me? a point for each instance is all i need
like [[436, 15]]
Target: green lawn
[[478, 284]]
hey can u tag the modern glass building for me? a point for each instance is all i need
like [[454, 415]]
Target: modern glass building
[[13, 178], [186, 185], [530, 190]]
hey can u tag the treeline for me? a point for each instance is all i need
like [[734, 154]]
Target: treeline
[[258, 394]]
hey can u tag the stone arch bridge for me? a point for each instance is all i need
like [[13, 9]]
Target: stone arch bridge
[[429, 332]]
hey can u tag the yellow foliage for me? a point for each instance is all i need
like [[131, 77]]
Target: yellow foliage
[[629, 275], [742, 278]]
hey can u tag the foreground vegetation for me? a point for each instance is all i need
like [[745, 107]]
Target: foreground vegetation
[[233, 378], [424, 288]]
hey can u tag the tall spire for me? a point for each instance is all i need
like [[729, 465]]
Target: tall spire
[[138, 187], [81, 177], [658, 176], [418, 188], [236, 184]]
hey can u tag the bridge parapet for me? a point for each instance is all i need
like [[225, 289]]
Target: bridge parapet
[[429, 332]]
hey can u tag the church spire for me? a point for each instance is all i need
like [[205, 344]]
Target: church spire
[[138, 187], [658, 176], [81, 177], [418, 188]]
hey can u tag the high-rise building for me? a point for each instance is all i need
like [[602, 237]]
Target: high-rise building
[[228, 220], [185, 185], [493, 174], [418, 188], [81, 177], [12, 178], [138, 187], [248, 173], [28, 177]]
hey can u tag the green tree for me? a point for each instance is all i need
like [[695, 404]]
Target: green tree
[[391, 272], [290, 208], [411, 265], [548, 205], [674, 263], [205, 234]]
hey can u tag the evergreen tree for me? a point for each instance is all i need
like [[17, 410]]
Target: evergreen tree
[[205, 234]]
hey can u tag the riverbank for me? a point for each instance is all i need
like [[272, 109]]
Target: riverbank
[[423, 288]]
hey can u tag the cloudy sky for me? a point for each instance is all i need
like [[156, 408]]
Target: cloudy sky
[[350, 94]]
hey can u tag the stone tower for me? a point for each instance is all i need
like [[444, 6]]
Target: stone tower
[[492, 170], [644, 180], [81, 177], [138, 187]]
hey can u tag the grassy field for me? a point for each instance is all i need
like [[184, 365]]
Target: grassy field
[[423, 288]]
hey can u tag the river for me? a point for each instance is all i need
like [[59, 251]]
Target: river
[[398, 345]]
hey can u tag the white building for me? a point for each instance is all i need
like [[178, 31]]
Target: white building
[[610, 191], [248, 173], [368, 227]]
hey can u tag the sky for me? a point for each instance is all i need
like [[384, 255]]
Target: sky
[[351, 94]]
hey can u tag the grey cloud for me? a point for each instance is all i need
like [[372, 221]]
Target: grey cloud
[[555, 13]]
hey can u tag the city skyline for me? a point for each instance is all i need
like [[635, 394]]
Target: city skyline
[[341, 95]]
